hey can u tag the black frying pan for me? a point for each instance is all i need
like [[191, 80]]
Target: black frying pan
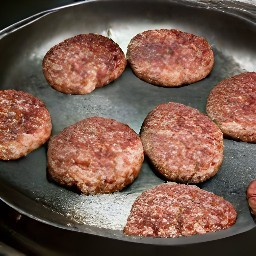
[[231, 30]]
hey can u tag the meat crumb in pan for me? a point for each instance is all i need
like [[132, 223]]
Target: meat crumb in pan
[[183, 144], [25, 124], [82, 63], [232, 105], [95, 155], [174, 210], [169, 57]]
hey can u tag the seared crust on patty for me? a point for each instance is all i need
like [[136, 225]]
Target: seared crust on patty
[[25, 124], [169, 57], [183, 144], [82, 63], [232, 105], [95, 155], [174, 210], [251, 196]]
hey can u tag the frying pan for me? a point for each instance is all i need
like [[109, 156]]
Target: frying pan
[[231, 30]]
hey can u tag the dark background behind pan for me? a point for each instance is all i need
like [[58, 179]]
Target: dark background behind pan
[[23, 183]]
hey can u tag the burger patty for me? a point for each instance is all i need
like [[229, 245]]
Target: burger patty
[[82, 63], [183, 144], [251, 196], [174, 210], [25, 124], [169, 57], [232, 105], [95, 155]]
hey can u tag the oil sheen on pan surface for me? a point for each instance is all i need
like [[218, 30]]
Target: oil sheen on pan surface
[[24, 184]]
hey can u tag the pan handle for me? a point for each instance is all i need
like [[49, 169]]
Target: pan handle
[[23, 23], [35, 17]]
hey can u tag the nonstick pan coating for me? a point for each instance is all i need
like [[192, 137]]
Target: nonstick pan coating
[[24, 184]]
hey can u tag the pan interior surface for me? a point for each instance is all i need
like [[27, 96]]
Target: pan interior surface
[[24, 184]]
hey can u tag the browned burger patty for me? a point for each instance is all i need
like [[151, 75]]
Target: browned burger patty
[[169, 57], [82, 63], [25, 124], [183, 144], [96, 155], [232, 105], [251, 196], [174, 210]]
